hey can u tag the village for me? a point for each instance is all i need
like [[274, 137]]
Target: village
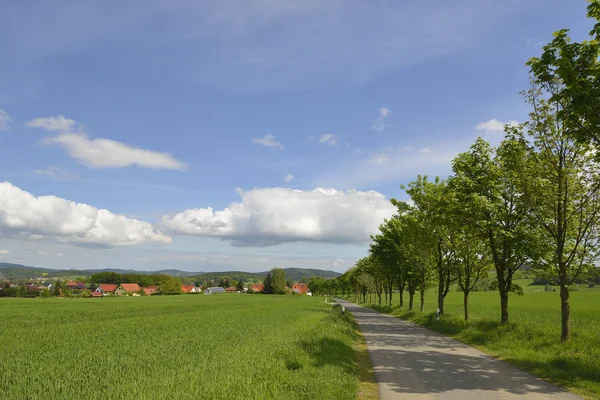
[[95, 290]]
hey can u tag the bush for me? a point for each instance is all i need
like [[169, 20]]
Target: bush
[[549, 288]]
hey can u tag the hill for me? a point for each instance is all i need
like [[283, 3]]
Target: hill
[[292, 274], [18, 271]]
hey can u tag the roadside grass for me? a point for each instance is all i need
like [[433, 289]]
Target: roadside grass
[[531, 341], [187, 347]]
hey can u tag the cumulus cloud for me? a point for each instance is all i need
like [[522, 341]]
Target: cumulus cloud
[[329, 139], [22, 213], [379, 124], [101, 153], [5, 120], [4, 252], [268, 141], [288, 178], [495, 126], [271, 216]]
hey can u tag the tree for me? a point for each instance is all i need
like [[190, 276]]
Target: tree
[[58, 286], [431, 199], [576, 66], [268, 284], [562, 188], [170, 287], [45, 293], [240, 286], [486, 185], [278, 280]]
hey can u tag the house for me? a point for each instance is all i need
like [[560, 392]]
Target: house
[[213, 290], [96, 294], [300, 288], [76, 285], [106, 288], [190, 289], [257, 287], [150, 289], [124, 288], [231, 289]]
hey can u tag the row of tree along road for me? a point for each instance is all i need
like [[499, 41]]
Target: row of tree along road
[[534, 200]]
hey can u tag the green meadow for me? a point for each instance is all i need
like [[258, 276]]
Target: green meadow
[[185, 347], [531, 340]]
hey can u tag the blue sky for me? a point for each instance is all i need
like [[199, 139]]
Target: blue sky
[[243, 135]]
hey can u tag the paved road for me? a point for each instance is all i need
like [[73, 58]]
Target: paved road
[[412, 362]]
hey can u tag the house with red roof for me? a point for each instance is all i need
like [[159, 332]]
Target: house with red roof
[[96, 294], [190, 289], [300, 288], [231, 289], [125, 288], [106, 288], [76, 285], [257, 287], [150, 289]]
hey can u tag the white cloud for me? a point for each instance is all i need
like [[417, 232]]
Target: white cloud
[[495, 126], [379, 124], [425, 151], [288, 178], [379, 159], [329, 139], [268, 141], [4, 252], [272, 216], [5, 120], [57, 173], [56, 124], [101, 153], [21, 213]]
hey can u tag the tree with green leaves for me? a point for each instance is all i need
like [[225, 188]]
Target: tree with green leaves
[[569, 73], [240, 286], [486, 185], [268, 284], [431, 199], [561, 183], [278, 280]]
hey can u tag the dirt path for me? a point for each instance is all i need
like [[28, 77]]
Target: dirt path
[[413, 362]]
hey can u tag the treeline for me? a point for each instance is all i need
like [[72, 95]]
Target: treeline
[[532, 200], [142, 280]]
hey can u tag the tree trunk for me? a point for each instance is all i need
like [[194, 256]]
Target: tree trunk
[[411, 297], [504, 306], [466, 304], [422, 300], [401, 289], [565, 309], [441, 296]]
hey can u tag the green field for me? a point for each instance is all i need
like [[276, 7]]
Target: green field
[[185, 347], [532, 339]]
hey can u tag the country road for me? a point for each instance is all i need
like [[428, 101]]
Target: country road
[[413, 362]]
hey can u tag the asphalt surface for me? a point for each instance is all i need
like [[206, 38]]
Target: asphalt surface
[[413, 362]]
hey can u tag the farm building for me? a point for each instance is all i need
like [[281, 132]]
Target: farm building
[[190, 289], [96, 294], [150, 289], [76, 285], [127, 288], [231, 289], [257, 287], [106, 288], [213, 290], [300, 288]]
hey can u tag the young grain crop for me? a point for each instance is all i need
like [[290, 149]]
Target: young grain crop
[[219, 347]]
